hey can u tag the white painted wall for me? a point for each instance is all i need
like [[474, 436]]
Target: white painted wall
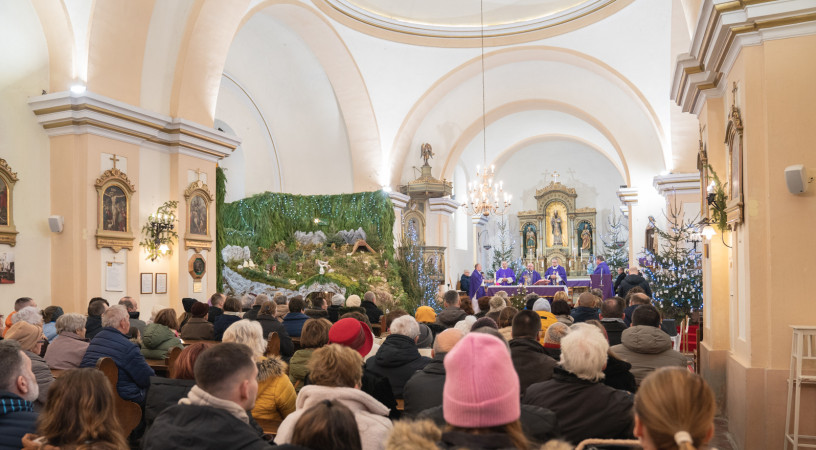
[[290, 90], [24, 145]]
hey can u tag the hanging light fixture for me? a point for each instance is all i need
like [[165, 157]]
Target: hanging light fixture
[[485, 197]]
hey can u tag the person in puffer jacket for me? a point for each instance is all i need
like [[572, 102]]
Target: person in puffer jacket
[[398, 357], [160, 336], [645, 346], [112, 342], [17, 392]]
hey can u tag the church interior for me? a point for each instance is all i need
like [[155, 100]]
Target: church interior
[[123, 122]]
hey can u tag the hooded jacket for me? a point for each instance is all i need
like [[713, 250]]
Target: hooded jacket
[[66, 351], [222, 323], [424, 389], [532, 364], [298, 370], [317, 313], [198, 328], [371, 415], [157, 341], [449, 316], [134, 373], [203, 427], [585, 409], [397, 359], [631, 281], [618, 374], [276, 396], [584, 313], [16, 419], [647, 348]]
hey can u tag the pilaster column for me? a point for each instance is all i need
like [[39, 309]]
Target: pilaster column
[[629, 197], [479, 225], [440, 218], [400, 201]]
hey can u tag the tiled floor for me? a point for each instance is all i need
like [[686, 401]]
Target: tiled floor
[[722, 439]]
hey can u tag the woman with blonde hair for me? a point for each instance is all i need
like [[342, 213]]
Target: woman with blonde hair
[[79, 415], [674, 409], [276, 395]]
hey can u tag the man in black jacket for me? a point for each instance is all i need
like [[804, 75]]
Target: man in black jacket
[[398, 357], [369, 303], [612, 319], [424, 389], [214, 413], [18, 389], [531, 362], [632, 280], [93, 324], [216, 306], [252, 314], [452, 312]]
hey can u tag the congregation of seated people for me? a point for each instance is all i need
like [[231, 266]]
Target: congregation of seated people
[[312, 373]]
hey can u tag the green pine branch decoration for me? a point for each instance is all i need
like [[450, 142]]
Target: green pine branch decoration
[[153, 241], [220, 240], [718, 214]]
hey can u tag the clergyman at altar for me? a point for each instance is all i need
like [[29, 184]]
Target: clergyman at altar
[[476, 281], [530, 276], [600, 266], [505, 276], [556, 273]]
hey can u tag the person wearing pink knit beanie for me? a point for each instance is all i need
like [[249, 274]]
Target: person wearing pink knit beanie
[[482, 391]]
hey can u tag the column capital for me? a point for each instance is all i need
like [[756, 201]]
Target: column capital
[[480, 221], [628, 195], [443, 205], [677, 183], [398, 199]]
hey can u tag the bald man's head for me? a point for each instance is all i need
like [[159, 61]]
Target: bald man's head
[[446, 340], [587, 299]]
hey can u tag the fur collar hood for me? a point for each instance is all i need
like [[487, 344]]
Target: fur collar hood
[[271, 368]]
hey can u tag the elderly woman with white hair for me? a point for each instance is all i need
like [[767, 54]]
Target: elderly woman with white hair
[[69, 346], [28, 314], [276, 395], [585, 407], [398, 357]]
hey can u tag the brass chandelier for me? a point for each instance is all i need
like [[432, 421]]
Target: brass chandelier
[[485, 197]]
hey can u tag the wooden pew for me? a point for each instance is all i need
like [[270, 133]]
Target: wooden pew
[[273, 345], [383, 329], [128, 413], [58, 372], [400, 404], [296, 343], [193, 341]]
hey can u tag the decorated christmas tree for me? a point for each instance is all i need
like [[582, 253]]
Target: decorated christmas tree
[[615, 249], [419, 286], [504, 251], [675, 272]]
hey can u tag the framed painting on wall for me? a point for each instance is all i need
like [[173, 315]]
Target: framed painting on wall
[[197, 266], [733, 142], [198, 232], [8, 232], [146, 281], [114, 213]]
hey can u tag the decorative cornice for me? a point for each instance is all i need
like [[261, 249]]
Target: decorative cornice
[[5, 167], [444, 205], [628, 196], [723, 29], [398, 199], [555, 186], [115, 174], [677, 183], [480, 221], [198, 185], [65, 113]]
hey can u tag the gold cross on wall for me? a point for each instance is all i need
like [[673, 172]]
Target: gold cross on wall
[[198, 173], [114, 159]]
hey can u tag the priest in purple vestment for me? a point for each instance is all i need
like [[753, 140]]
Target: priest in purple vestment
[[530, 276], [600, 266], [505, 276], [556, 273], [476, 280]]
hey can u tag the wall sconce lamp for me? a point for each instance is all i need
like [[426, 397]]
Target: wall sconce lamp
[[159, 231]]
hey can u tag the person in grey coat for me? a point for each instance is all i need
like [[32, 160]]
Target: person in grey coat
[[645, 346]]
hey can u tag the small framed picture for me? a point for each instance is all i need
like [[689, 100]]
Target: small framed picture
[[147, 283], [161, 283]]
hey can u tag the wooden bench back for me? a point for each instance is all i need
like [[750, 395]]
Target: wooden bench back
[[128, 413], [273, 345]]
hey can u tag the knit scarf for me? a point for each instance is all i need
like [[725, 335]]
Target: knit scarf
[[199, 397], [14, 404]]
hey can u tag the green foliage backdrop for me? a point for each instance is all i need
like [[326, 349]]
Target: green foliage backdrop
[[220, 192]]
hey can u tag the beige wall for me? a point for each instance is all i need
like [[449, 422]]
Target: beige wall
[[767, 268]]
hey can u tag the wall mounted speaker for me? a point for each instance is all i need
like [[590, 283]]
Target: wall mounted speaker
[[796, 178], [55, 223]]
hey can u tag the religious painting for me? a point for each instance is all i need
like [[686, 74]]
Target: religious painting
[[530, 235], [584, 238], [114, 215], [8, 233], [198, 199], [556, 222], [7, 267], [197, 266], [114, 209], [733, 141]]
